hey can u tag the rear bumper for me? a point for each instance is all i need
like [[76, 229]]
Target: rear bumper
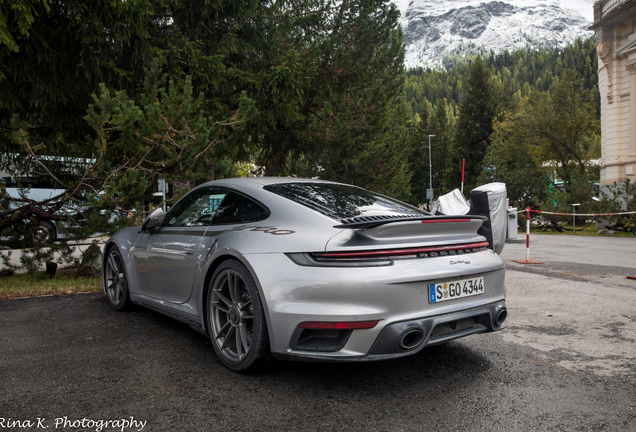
[[429, 331], [394, 295]]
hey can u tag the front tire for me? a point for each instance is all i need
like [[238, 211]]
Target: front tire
[[116, 281], [236, 319]]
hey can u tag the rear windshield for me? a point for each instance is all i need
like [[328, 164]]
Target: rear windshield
[[342, 201]]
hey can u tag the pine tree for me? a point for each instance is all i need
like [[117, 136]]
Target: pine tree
[[50, 73], [309, 87], [332, 106], [477, 112], [419, 129], [442, 126]]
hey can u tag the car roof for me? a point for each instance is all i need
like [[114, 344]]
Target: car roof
[[262, 181]]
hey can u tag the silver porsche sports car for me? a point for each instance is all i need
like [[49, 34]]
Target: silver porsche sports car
[[308, 269]]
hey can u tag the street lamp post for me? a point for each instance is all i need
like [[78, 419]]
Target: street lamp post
[[574, 206], [429, 192]]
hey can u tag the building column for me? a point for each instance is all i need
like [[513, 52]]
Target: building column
[[605, 50], [632, 110]]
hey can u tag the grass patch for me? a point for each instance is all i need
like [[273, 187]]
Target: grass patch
[[65, 282]]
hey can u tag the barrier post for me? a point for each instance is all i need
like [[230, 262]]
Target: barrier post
[[527, 260]]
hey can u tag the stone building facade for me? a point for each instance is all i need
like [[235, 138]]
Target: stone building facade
[[615, 33]]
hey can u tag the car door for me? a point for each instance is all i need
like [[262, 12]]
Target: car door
[[166, 258]]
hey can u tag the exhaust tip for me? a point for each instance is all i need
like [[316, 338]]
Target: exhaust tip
[[501, 316], [411, 339]]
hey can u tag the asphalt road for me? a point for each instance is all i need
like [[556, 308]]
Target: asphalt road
[[567, 362]]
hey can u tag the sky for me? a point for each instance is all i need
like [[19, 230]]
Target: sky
[[584, 7]]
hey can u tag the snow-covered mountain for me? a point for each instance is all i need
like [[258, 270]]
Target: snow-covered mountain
[[433, 28]]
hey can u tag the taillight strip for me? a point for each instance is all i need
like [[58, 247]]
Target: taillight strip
[[398, 252], [445, 220]]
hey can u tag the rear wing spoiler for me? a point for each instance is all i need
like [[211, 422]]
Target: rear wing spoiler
[[367, 222]]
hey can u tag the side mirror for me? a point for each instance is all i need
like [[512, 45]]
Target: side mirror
[[153, 220]]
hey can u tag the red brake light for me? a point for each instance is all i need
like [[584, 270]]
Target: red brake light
[[399, 252], [327, 325], [445, 220]]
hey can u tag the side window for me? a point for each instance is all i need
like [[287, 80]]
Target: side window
[[237, 208], [197, 208]]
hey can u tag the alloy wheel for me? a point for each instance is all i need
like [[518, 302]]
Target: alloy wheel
[[232, 315], [115, 278]]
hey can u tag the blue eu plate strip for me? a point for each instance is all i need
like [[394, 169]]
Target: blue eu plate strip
[[431, 288]]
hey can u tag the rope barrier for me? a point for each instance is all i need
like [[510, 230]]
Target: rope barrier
[[583, 214], [527, 210], [575, 214]]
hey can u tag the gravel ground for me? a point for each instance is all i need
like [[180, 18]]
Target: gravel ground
[[565, 362]]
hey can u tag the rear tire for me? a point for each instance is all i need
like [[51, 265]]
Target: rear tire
[[45, 233], [28, 235], [236, 319]]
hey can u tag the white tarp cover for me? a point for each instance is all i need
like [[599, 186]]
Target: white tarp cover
[[490, 200], [453, 203]]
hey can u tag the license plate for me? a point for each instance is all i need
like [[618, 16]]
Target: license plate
[[444, 291]]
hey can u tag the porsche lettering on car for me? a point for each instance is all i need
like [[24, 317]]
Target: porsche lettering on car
[[290, 268]]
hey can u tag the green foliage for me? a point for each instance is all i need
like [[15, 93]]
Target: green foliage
[[101, 99], [581, 191], [549, 134], [516, 76], [432, 85], [331, 105], [563, 126], [443, 127], [16, 20], [477, 112], [72, 47], [440, 122], [519, 73], [509, 160], [419, 129], [164, 133], [104, 98], [619, 198]]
